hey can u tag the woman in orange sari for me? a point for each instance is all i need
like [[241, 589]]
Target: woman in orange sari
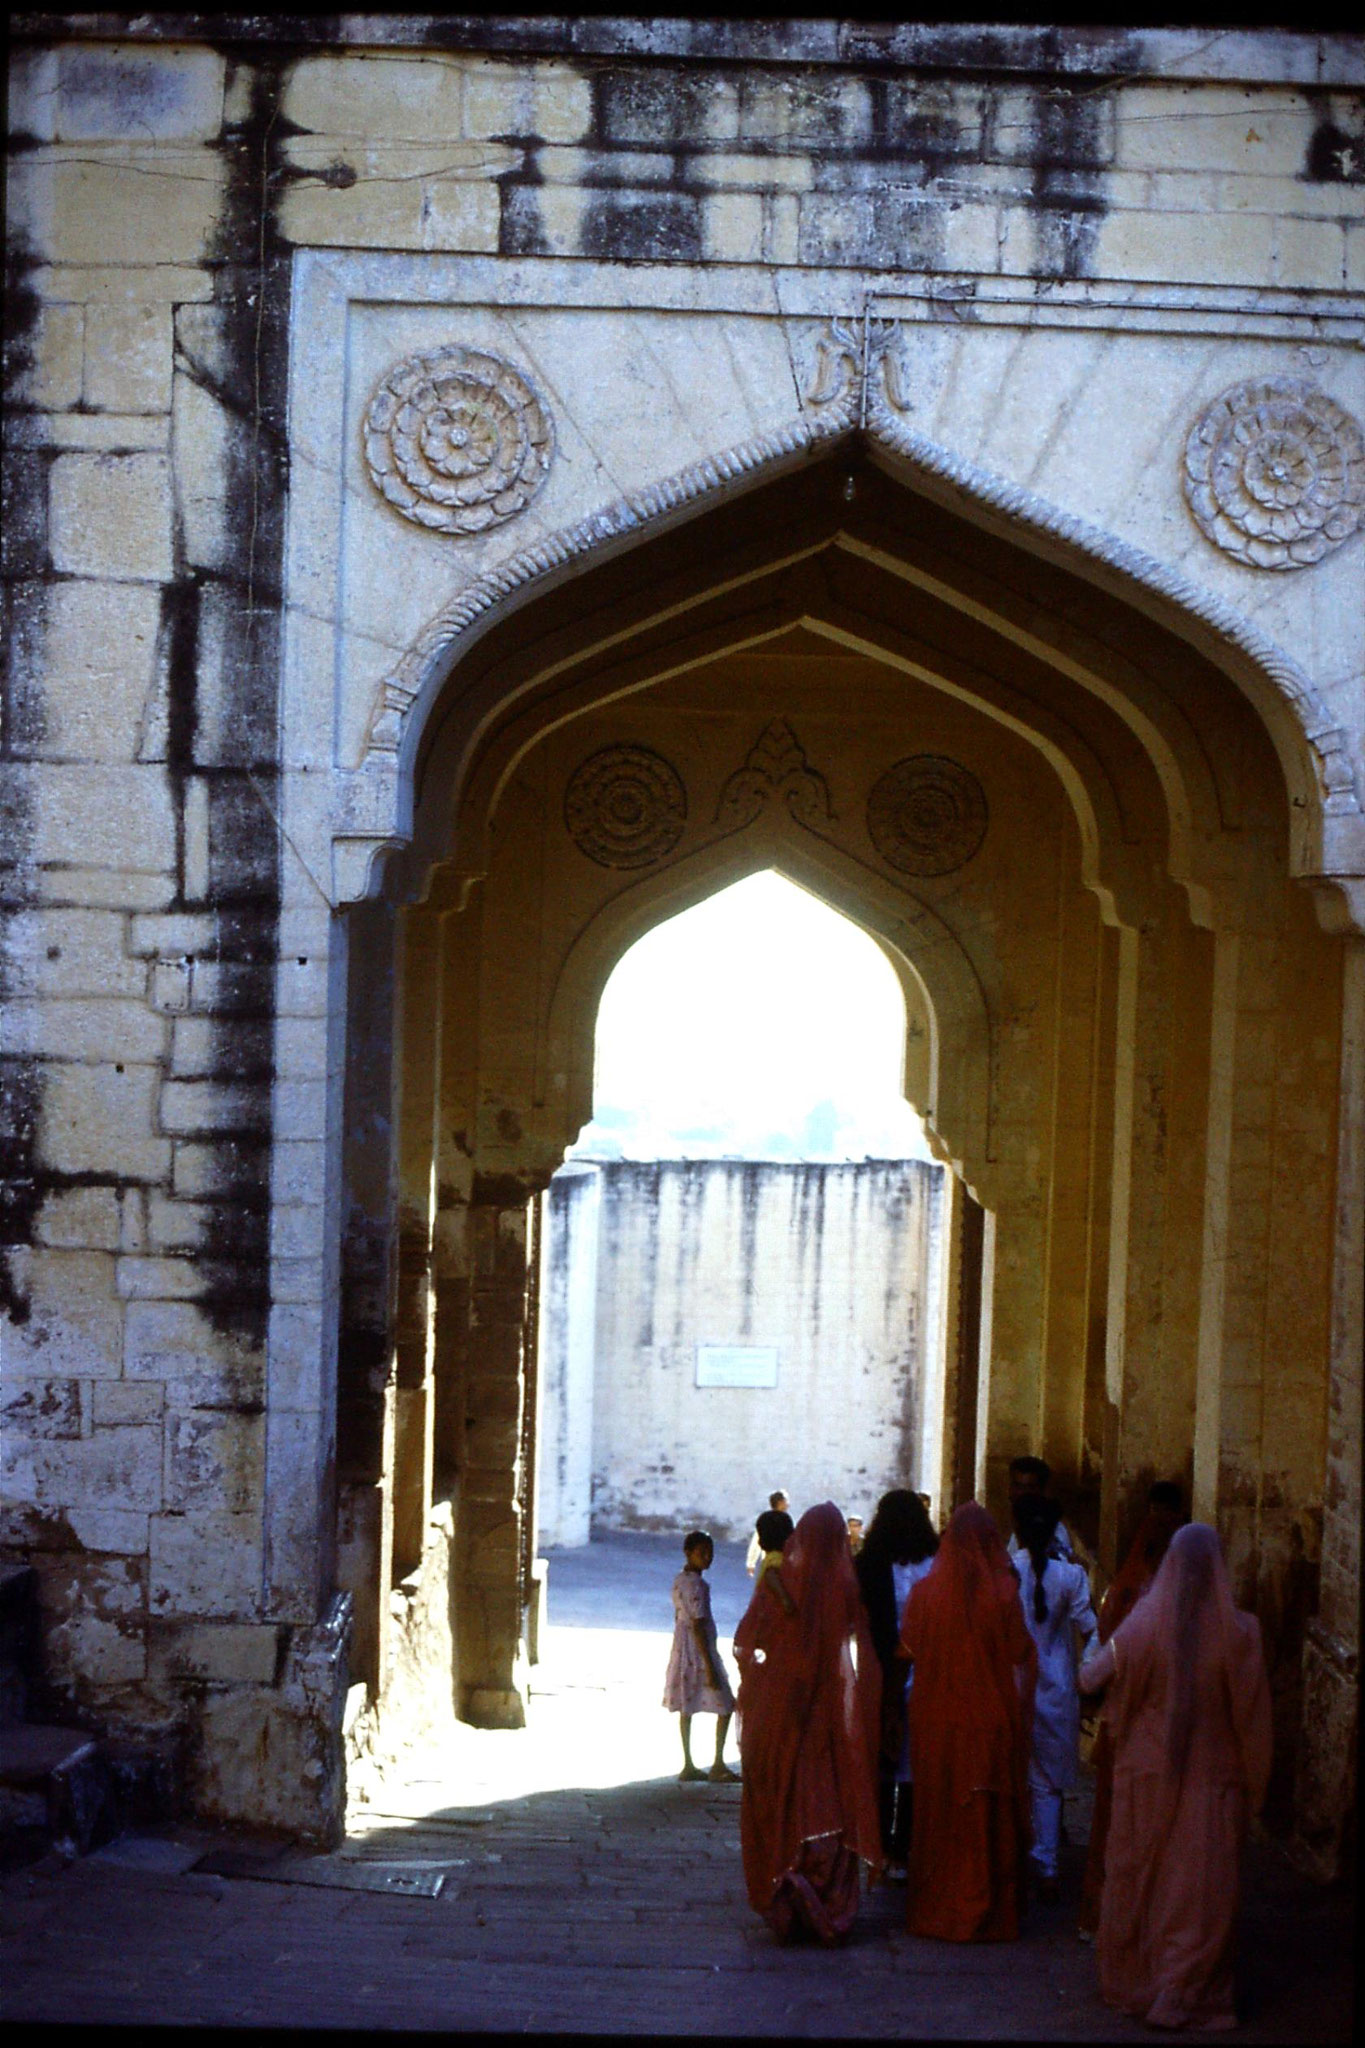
[[1189, 1710], [1165, 1513], [809, 1705], [971, 1722]]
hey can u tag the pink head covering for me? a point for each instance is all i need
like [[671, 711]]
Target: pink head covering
[[1190, 1625]]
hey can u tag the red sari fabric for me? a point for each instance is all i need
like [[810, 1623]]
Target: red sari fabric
[[970, 1724], [1131, 1581], [809, 1702], [1189, 1713]]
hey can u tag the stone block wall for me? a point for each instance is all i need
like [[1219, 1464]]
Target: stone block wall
[[1086, 237], [832, 1266], [142, 978]]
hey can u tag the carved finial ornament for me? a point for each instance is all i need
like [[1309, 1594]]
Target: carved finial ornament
[[927, 815], [775, 765], [458, 440], [625, 807], [1275, 473], [853, 358]]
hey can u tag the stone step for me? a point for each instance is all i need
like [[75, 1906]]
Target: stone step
[[28, 1753], [55, 1782]]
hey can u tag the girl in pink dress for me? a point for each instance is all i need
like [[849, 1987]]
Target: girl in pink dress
[[696, 1682]]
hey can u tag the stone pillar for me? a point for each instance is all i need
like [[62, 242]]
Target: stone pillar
[[1213, 1273], [1325, 1792], [414, 1407], [365, 1388], [1157, 1210], [489, 1524], [962, 1348], [1066, 1305]]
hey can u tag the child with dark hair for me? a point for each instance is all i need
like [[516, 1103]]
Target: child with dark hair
[[772, 1529], [1056, 1603], [777, 1504], [696, 1682]]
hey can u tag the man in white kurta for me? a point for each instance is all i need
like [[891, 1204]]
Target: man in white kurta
[[1067, 1613]]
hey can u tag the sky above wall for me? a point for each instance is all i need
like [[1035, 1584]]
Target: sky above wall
[[760, 1024]]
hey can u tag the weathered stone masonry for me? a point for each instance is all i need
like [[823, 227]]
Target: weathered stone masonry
[[475, 485]]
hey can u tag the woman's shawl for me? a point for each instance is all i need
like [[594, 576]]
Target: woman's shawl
[[1189, 1649], [970, 1721], [809, 1707]]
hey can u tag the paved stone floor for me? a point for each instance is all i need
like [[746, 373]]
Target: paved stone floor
[[581, 1889]]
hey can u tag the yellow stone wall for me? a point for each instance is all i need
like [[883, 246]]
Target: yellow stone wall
[[243, 1027]]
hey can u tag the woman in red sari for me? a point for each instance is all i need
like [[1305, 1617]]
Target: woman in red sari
[[1165, 1513], [809, 1703], [1189, 1710], [971, 1722]]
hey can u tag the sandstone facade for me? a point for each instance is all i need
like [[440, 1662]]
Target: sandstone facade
[[477, 486]]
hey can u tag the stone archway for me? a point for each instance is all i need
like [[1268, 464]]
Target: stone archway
[[1136, 1018]]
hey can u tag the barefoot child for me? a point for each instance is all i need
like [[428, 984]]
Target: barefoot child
[[696, 1681]]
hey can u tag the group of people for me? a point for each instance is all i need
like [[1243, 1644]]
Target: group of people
[[916, 1709]]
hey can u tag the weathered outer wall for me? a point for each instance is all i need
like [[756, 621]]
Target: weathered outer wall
[[829, 1264], [143, 984], [1088, 239]]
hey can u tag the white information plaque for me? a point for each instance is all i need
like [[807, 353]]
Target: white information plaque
[[736, 1365]]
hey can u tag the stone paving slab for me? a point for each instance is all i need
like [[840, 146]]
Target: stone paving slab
[[501, 1949], [585, 1891]]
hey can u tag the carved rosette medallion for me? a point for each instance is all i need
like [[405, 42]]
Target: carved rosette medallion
[[1275, 473], [625, 807], [927, 815], [458, 440]]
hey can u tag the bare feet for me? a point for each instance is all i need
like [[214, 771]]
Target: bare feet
[[721, 1774], [689, 1774]]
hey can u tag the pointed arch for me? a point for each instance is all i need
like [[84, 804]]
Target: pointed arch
[[1328, 834], [936, 970]]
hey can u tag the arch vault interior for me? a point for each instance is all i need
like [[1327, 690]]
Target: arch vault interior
[[1071, 832]]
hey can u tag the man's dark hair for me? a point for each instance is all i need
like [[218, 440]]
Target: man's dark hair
[[694, 1537], [1029, 1467], [1035, 1522], [774, 1498], [773, 1527]]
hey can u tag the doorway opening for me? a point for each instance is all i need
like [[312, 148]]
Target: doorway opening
[[743, 1252]]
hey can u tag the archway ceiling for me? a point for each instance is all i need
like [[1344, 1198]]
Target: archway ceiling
[[1156, 748]]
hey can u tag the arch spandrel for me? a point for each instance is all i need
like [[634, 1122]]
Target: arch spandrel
[[1327, 828]]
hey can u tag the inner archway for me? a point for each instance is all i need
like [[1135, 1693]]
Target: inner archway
[[743, 1253]]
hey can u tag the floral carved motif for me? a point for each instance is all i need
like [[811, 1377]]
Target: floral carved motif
[[458, 440], [927, 815], [1275, 473], [625, 807], [775, 764]]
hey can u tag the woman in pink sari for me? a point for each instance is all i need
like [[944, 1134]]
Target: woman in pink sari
[[809, 1706], [1189, 1712]]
